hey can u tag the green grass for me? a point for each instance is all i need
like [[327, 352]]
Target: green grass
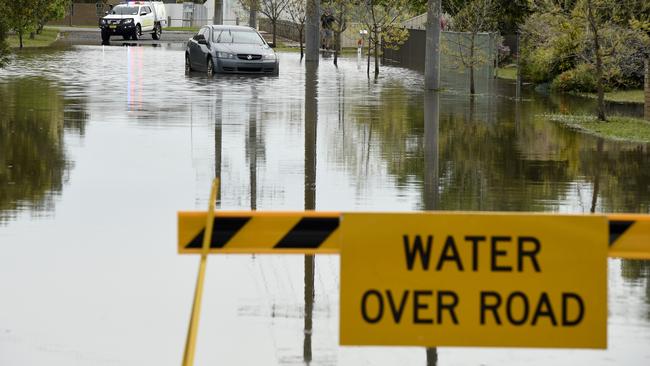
[[508, 73], [616, 128], [619, 96], [182, 29], [46, 38]]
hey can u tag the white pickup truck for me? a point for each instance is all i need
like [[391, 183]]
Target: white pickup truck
[[130, 20]]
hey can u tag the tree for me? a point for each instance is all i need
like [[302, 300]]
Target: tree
[[465, 48], [273, 9], [594, 26], [296, 10], [21, 16], [383, 19], [47, 10], [341, 11], [4, 47]]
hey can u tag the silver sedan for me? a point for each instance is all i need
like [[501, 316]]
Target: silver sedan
[[230, 49]]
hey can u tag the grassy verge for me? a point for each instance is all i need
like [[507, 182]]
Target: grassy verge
[[508, 73], [616, 128], [182, 29], [46, 38], [619, 96]]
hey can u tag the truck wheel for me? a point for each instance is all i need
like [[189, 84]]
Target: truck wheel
[[210, 67], [137, 32], [106, 37], [157, 31]]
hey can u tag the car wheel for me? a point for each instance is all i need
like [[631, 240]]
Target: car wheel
[[188, 65], [157, 31], [137, 33], [210, 67], [106, 37]]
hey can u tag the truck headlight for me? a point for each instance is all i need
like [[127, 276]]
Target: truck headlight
[[225, 55], [102, 21], [127, 21], [270, 56]]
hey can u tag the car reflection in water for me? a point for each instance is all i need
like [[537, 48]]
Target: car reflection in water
[[230, 49]]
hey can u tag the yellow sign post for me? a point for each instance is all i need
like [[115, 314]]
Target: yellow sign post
[[474, 279]]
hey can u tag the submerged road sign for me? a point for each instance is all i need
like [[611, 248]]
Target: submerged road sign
[[472, 279]]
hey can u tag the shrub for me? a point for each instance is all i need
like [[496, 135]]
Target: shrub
[[581, 79]]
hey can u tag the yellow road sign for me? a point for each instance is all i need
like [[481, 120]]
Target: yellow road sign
[[306, 232], [316, 232], [629, 236], [474, 279]]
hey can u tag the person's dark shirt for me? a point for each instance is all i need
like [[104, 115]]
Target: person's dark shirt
[[326, 21]]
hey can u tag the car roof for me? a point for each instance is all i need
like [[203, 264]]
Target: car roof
[[231, 27]]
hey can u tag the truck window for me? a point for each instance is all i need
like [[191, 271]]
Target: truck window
[[125, 10]]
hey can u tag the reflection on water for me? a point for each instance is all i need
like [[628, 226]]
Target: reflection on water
[[153, 143], [33, 161]]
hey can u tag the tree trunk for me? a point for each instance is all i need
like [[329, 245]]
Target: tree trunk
[[302, 52], [376, 54], [472, 89], [368, 66], [32, 35], [337, 39], [20, 39], [275, 24], [647, 90], [599, 63]]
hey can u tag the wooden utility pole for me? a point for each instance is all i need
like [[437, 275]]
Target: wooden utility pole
[[252, 15], [432, 55], [312, 31], [218, 12]]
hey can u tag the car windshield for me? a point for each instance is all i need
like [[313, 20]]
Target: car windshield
[[125, 10], [237, 36]]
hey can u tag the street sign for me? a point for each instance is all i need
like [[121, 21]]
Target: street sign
[[474, 279]]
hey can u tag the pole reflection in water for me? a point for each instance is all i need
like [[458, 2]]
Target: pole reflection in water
[[251, 146], [311, 122], [218, 123], [431, 129]]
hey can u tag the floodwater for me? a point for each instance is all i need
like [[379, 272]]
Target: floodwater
[[101, 146]]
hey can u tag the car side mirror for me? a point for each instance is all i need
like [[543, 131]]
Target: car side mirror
[[201, 39], [272, 45], [143, 13]]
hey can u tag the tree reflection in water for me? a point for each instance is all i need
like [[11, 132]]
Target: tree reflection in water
[[33, 161]]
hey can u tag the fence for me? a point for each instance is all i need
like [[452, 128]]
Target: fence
[[455, 48], [287, 29]]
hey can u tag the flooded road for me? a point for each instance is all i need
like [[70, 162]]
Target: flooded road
[[101, 146]]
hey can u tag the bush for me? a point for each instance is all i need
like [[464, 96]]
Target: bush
[[549, 45], [581, 79]]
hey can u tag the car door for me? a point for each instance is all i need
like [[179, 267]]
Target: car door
[[195, 50], [148, 19]]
